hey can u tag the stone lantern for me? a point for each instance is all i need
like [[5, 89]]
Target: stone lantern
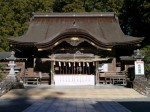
[[11, 65], [138, 55]]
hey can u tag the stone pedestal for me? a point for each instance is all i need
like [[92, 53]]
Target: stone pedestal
[[11, 78]]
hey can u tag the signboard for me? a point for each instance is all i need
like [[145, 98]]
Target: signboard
[[139, 68]]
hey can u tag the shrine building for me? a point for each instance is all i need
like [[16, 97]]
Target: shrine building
[[74, 48]]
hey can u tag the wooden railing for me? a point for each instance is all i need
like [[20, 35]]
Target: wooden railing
[[36, 78], [112, 77]]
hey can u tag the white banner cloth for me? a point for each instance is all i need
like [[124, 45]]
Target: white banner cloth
[[74, 80]]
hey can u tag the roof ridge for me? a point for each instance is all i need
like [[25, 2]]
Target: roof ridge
[[76, 14]]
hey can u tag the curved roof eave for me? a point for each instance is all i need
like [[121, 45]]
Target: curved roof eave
[[130, 40], [74, 32], [16, 42]]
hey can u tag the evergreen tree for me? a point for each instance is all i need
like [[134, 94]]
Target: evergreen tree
[[134, 17], [135, 21], [68, 6], [87, 5], [15, 17]]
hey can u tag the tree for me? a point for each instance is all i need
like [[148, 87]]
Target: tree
[[114, 6], [135, 21], [68, 6], [146, 53], [15, 17], [74, 6], [87, 5]]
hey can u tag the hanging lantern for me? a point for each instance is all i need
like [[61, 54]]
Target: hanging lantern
[[74, 64]]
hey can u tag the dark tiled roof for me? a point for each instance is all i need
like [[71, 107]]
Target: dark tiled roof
[[4, 55], [103, 29]]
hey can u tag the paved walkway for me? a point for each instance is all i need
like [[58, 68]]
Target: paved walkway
[[101, 98], [76, 105], [45, 92]]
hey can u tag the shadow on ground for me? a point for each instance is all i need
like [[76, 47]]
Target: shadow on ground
[[137, 106], [128, 106], [16, 105], [24, 101]]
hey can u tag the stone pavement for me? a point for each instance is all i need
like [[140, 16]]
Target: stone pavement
[[45, 92], [102, 98], [76, 105]]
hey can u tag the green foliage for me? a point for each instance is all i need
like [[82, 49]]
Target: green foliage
[[68, 6], [87, 5], [4, 46], [1, 65], [135, 21], [146, 53], [2, 75], [114, 6], [135, 17], [73, 6], [15, 17]]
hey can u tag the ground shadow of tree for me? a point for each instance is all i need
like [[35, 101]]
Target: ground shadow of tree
[[23, 100], [129, 106], [55, 102]]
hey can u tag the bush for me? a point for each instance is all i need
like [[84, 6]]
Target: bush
[[2, 76], [18, 85]]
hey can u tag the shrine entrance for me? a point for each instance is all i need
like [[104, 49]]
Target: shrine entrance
[[75, 60], [74, 69], [78, 63]]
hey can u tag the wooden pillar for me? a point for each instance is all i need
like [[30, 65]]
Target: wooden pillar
[[114, 64], [89, 68], [34, 62], [71, 68], [52, 73], [86, 67], [83, 70], [63, 67], [96, 72], [66, 68]]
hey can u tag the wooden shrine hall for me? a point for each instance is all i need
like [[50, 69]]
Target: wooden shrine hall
[[74, 48]]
